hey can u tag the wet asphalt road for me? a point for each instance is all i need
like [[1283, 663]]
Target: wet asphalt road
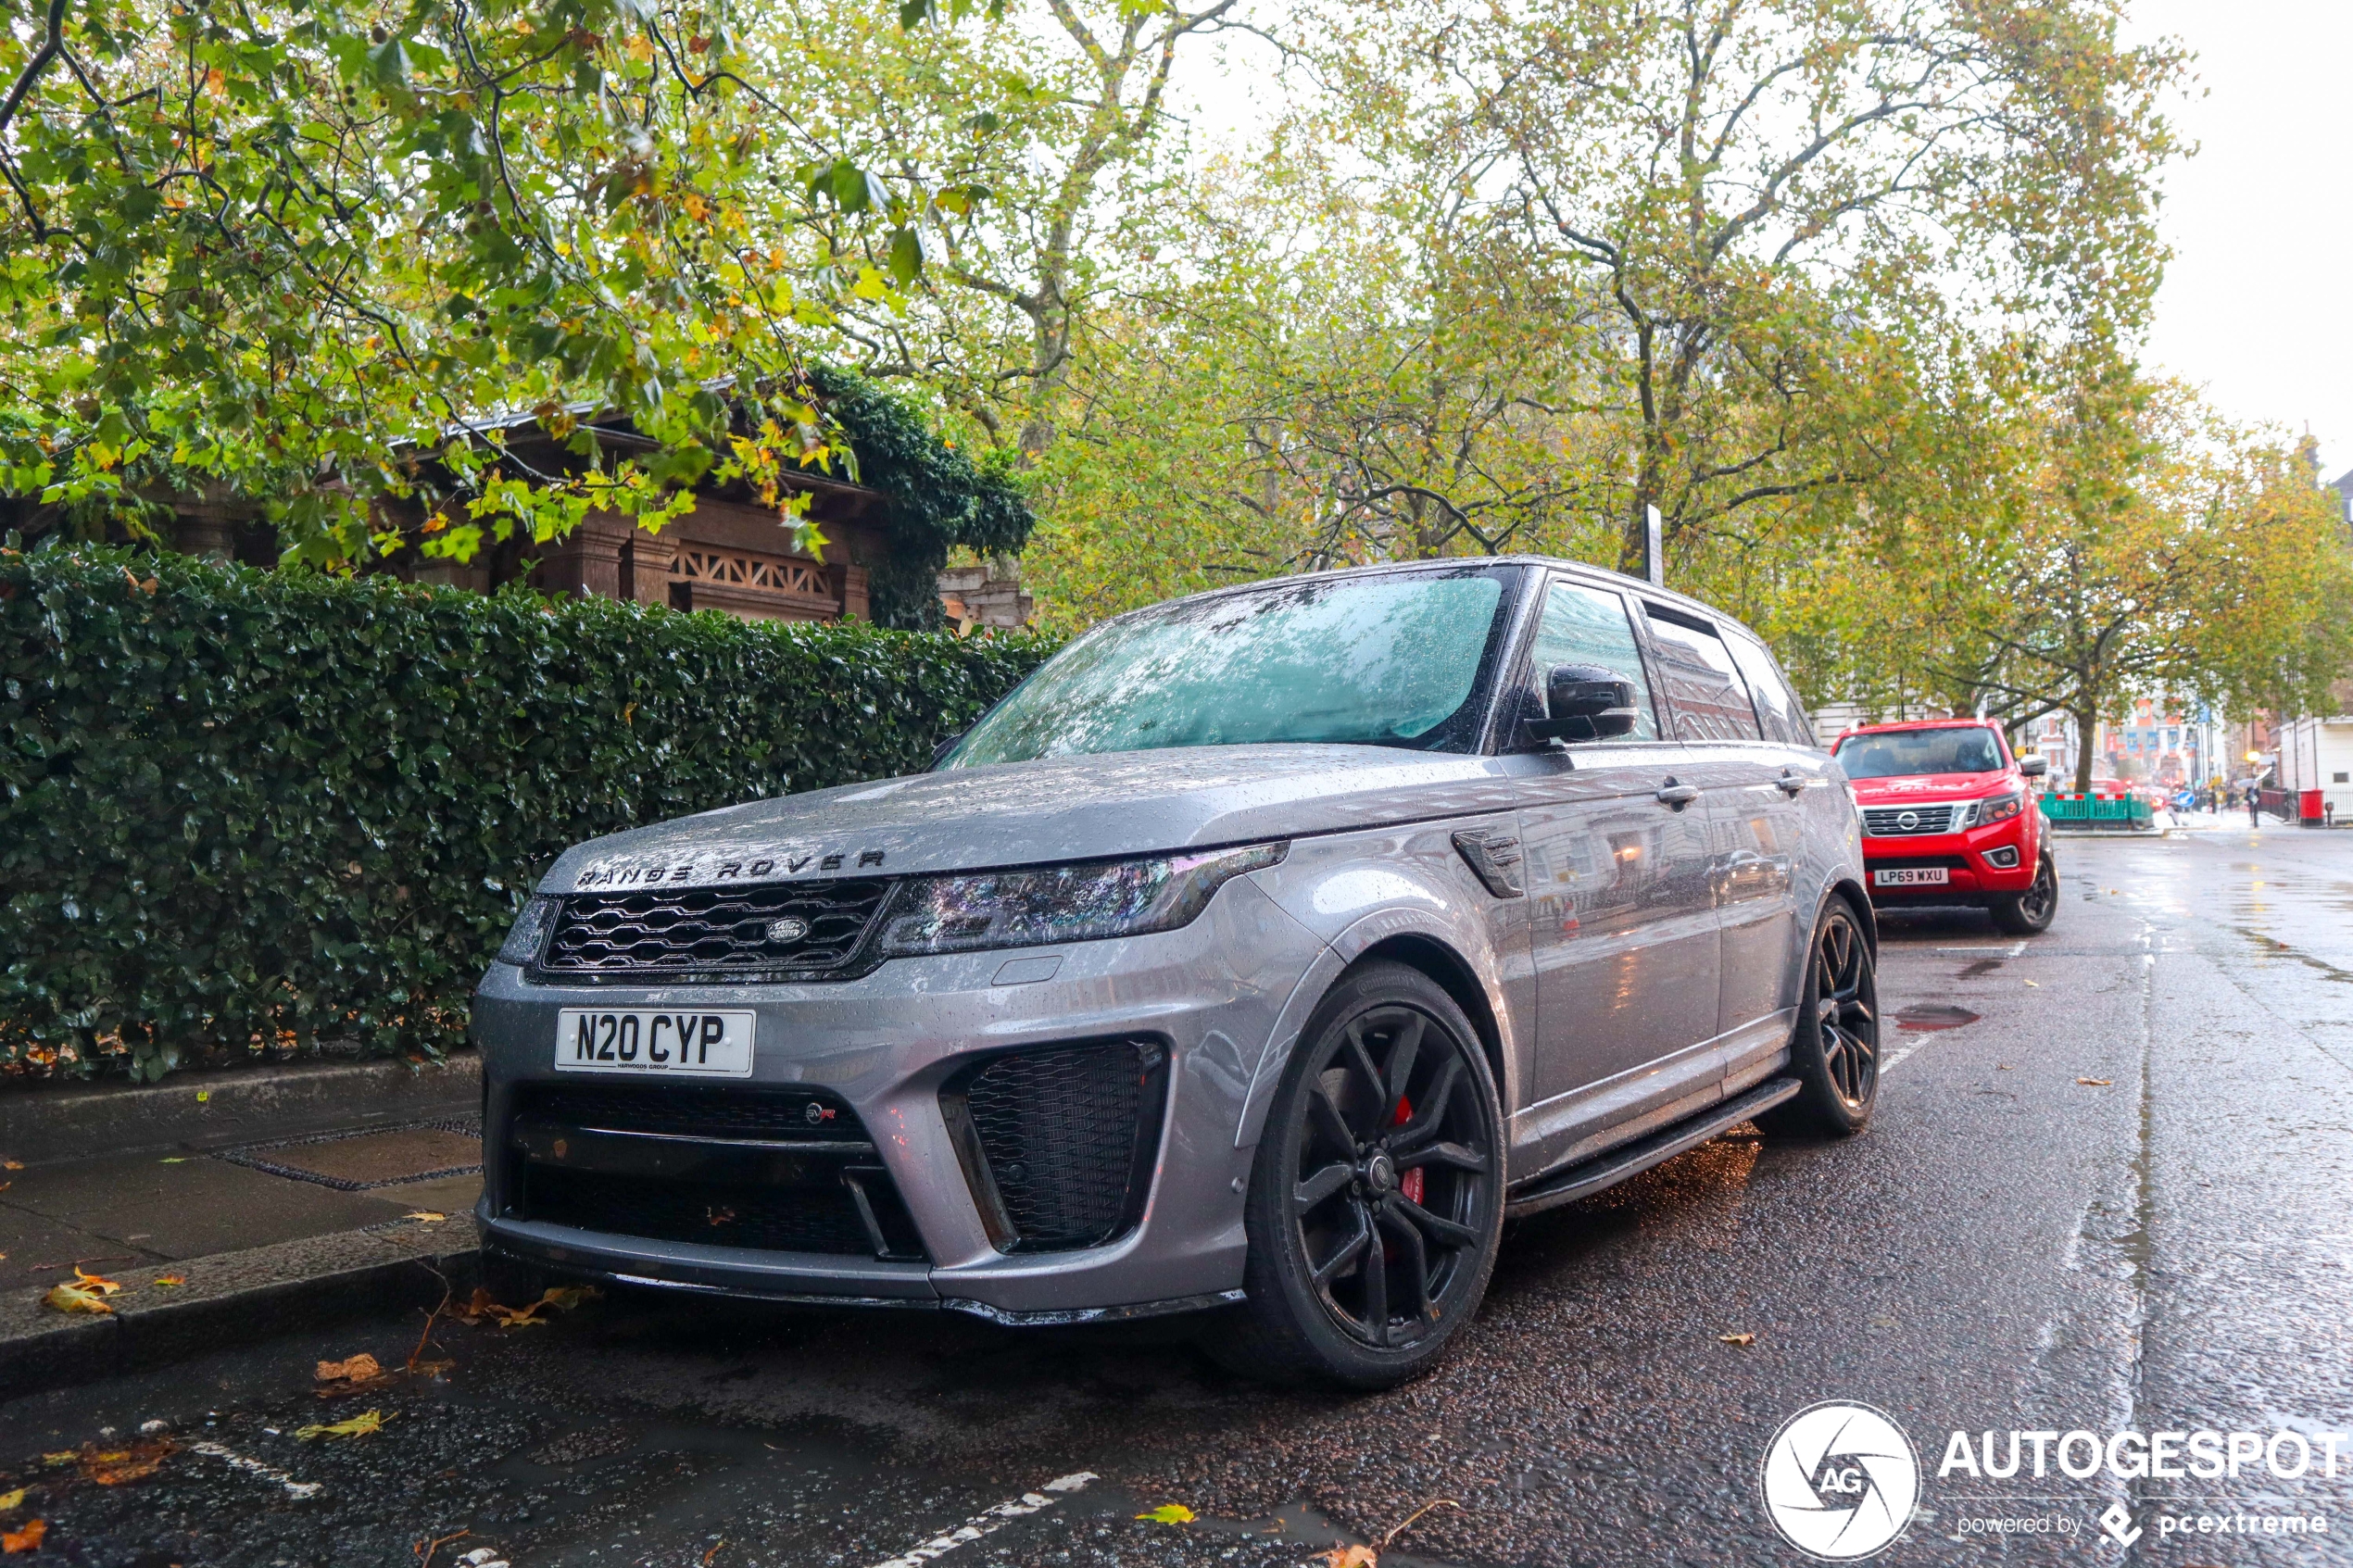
[[2006, 1247]]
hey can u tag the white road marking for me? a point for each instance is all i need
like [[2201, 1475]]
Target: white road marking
[[992, 1521], [295, 1489]]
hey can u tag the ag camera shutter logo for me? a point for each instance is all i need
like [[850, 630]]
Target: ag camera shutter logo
[[1840, 1481]]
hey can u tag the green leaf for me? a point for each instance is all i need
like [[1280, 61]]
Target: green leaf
[[906, 256]]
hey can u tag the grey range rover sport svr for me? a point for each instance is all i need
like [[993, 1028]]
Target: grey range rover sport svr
[[1258, 955]]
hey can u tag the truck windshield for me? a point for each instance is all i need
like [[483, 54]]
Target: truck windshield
[[1384, 661], [1970, 750]]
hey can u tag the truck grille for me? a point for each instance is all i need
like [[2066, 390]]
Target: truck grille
[[1059, 1142], [801, 930], [774, 1170], [1888, 821]]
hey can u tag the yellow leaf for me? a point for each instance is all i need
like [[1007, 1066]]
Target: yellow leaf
[[172, 1279], [92, 1282], [1352, 1557], [1169, 1513], [2094, 1083], [11, 1501], [203, 1094], [77, 1299], [11, 1164], [427, 1215], [357, 1426], [1738, 1338]]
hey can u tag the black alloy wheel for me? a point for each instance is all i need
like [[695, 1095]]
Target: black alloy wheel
[[2029, 913], [1377, 1197], [1834, 1052]]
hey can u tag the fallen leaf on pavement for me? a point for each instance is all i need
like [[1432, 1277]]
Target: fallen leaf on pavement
[[427, 1215], [26, 1540], [70, 1298], [1352, 1556], [357, 1426], [93, 1282], [173, 1160], [354, 1375], [11, 1501], [1169, 1513], [558, 1298], [2096, 1083], [66, 1458], [2037, 983], [172, 1279], [115, 1466], [712, 1553], [1738, 1338], [11, 1164]]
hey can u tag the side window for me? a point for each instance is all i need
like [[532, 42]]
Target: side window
[[1777, 707], [1583, 625], [1703, 687]]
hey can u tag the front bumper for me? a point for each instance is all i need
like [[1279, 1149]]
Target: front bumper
[[1208, 997], [1970, 859]]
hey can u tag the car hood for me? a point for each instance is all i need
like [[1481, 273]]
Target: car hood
[[1914, 789], [1028, 813]]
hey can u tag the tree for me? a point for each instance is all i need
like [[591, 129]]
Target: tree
[[305, 252], [1762, 202], [1058, 123], [2138, 545]]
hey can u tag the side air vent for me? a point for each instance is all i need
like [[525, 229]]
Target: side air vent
[[1058, 1142]]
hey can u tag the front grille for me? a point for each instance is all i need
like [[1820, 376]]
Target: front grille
[[1058, 1143], [719, 932], [1887, 821], [782, 1170], [694, 1110]]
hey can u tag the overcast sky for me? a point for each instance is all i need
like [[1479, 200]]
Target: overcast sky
[[2258, 305]]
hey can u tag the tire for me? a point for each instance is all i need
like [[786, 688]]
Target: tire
[[1834, 1051], [2030, 913], [1375, 1199]]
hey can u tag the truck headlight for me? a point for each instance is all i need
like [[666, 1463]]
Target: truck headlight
[[528, 935], [1999, 808], [1075, 903]]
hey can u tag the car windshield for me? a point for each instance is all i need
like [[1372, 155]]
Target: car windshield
[[1899, 752], [1382, 661]]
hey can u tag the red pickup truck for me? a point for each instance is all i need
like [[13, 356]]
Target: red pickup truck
[[1949, 818]]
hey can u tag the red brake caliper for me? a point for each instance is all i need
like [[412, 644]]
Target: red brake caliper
[[1411, 1186]]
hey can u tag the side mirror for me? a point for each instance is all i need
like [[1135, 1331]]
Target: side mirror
[[2033, 767], [1585, 702]]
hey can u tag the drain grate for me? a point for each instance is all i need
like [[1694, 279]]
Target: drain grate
[[367, 1158]]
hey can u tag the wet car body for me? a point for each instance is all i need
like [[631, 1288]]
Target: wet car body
[[1065, 1130]]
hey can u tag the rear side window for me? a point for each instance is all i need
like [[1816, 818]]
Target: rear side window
[[1778, 711], [1583, 625], [1703, 687]]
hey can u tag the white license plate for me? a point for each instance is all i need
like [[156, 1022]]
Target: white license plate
[[1910, 876], [685, 1043]]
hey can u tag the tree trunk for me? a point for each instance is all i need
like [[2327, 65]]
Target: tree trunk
[[2086, 725]]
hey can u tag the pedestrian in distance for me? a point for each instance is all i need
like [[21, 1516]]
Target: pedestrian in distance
[[2254, 806]]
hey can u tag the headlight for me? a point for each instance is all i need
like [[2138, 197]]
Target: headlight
[[529, 933], [1079, 903], [1999, 808]]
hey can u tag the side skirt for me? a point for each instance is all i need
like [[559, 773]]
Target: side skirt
[[1590, 1176]]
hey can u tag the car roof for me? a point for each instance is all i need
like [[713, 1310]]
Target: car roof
[[1665, 597]]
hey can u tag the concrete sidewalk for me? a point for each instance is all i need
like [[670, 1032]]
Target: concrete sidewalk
[[228, 1207]]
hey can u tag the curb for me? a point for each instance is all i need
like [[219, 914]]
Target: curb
[[235, 1298], [213, 1110]]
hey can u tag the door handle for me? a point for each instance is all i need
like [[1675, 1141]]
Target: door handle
[[1792, 783], [1677, 795]]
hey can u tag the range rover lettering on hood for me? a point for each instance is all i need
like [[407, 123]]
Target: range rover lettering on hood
[[712, 868]]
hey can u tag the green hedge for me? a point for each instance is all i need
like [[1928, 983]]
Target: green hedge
[[248, 812]]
